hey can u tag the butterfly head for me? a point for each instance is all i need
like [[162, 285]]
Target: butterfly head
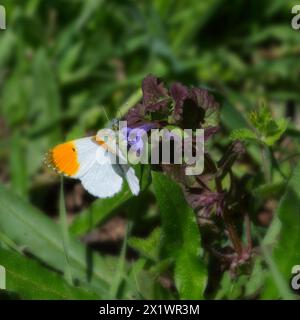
[[105, 137], [114, 124]]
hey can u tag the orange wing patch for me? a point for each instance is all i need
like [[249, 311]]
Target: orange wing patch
[[63, 158]]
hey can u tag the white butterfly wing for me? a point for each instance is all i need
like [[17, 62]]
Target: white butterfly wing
[[94, 165], [103, 179], [126, 171], [132, 179], [86, 154]]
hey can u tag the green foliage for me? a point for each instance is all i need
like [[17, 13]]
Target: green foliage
[[265, 130], [98, 212], [148, 247], [32, 232], [180, 238], [32, 281], [289, 237], [243, 135], [65, 232], [62, 63]]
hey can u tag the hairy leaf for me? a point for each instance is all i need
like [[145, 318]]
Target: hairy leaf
[[180, 238]]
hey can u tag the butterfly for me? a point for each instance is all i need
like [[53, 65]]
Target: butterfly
[[92, 161]]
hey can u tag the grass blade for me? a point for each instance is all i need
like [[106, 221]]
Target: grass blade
[[65, 233]]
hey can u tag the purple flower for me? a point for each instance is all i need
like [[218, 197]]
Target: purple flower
[[135, 136], [208, 201]]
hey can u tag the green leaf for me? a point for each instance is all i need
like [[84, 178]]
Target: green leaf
[[256, 279], [14, 107], [148, 247], [231, 117], [45, 96], [18, 167], [286, 253], [180, 238], [118, 280], [30, 280], [231, 288], [276, 283], [236, 287], [39, 235], [7, 43], [274, 132], [178, 225], [260, 118], [143, 284], [98, 212], [64, 230], [190, 275], [269, 130], [269, 190], [243, 135]]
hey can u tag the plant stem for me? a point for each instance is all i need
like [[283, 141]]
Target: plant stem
[[248, 232], [65, 233], [120, 271], [235, 239], [233, 235], [265, 162]]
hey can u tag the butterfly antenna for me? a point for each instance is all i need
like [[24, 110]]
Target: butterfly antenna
[[106, 115]]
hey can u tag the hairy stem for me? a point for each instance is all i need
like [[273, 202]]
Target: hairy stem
[[265, 163], [235, 239], [248, 232]]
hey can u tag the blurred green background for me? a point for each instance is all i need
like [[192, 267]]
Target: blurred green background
[[63, 61]]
